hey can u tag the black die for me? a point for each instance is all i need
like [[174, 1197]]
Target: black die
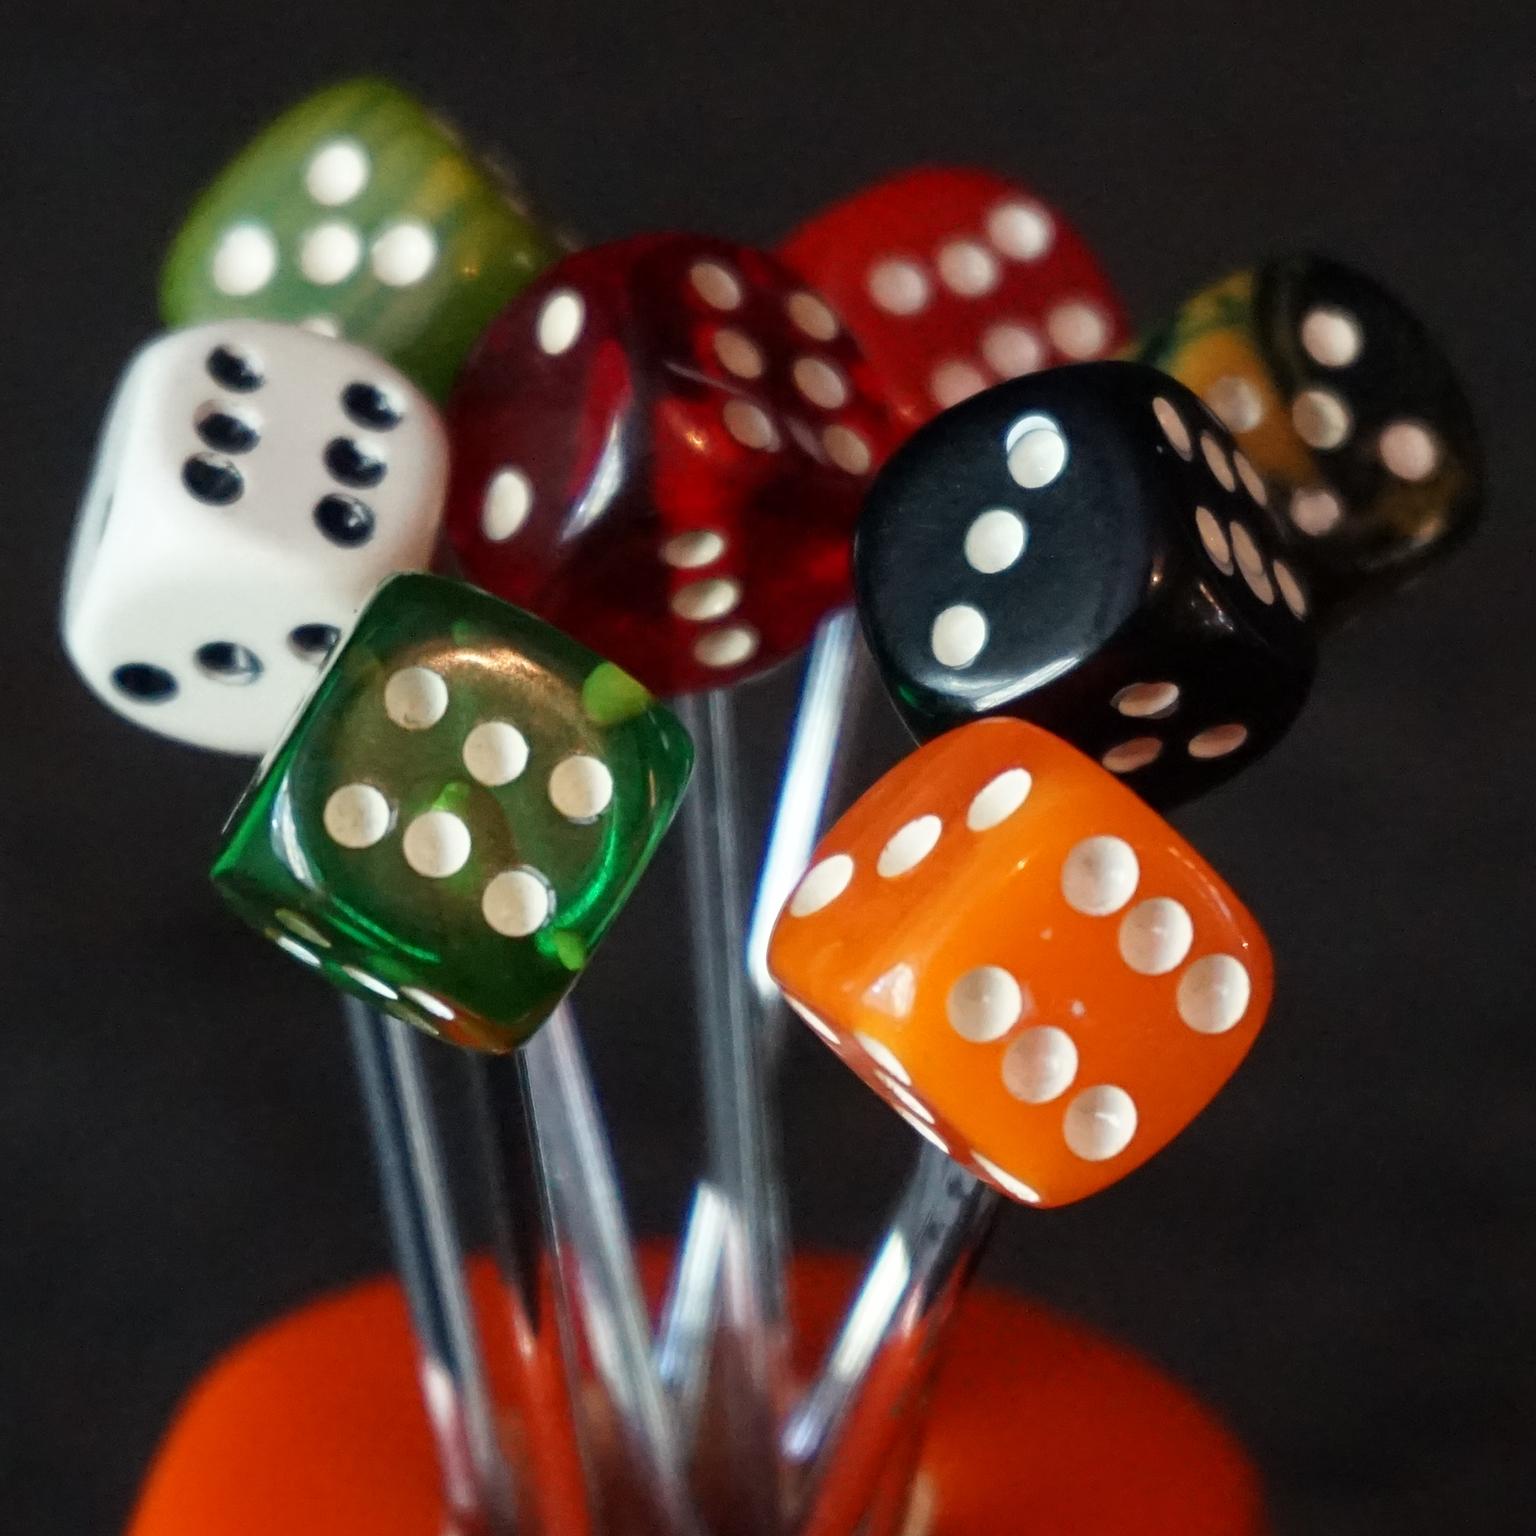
[[1347, 406], [1083, 548]]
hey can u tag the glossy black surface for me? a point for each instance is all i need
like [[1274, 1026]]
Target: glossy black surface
[[1114, 590]]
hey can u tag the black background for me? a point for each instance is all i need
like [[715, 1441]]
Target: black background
[[1338, 1255]]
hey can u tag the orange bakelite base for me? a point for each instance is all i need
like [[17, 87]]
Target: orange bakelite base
[[314, 1427]]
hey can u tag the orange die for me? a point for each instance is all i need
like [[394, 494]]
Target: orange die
[[1031, 965]]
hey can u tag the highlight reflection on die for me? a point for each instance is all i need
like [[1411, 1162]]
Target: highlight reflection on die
[[253, 484], [1034, 969], [1348, 407], [457, 815]]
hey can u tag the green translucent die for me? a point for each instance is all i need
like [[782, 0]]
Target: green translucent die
[[359, 213], [458, 814]]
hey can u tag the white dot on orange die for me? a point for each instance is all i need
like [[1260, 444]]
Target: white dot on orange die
[[716, 284], [1128, 756], [822, 884], [436, 844], [967, 268], [1099, 875], [995, 540], [356, 816], [1332, 337], [1012, 350], [958, 635], [1005, 1180], [898, 287], [337, 173], [812, 316], [884, 1057], [1078, 330], [508, 501], [404, 254], [517, 902], [1155, 936], [907, 848], [330, 252], [1022, 231], [560, 320], [984, 1004], [998, 799], [580, 788], [1099, 1123], [1213, 994], [954, 381], [244, 260], [1039, 1064], [820, 382], [817, 1023]]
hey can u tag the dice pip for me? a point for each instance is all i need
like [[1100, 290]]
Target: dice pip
[[1087, 549], [359, 213], [457, 815], [660, 447], [1347, 406], [952, 280], [1027, 963], [254, 483]]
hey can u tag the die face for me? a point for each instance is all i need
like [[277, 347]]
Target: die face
[[1031, 966], [660, 447], [953, 280], [458, 814], [1083, 548], [1350, 409], [255, 482], [362, 214]]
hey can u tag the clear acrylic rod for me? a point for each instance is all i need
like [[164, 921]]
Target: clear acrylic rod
[[418, 1204], [872, 1387]]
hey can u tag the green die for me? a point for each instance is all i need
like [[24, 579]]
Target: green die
[[360, 214], [458, 814]]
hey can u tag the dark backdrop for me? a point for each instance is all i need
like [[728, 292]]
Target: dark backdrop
[[1338, 1255]]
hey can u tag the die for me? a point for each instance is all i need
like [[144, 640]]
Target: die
[[359, 213], [254, 483], [1086, 549], [458, 813], [954, 279], [1341, 398], [660, 447], [1029, 964]]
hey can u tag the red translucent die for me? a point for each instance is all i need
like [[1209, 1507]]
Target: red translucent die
[[661, 447], [953, 280]]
